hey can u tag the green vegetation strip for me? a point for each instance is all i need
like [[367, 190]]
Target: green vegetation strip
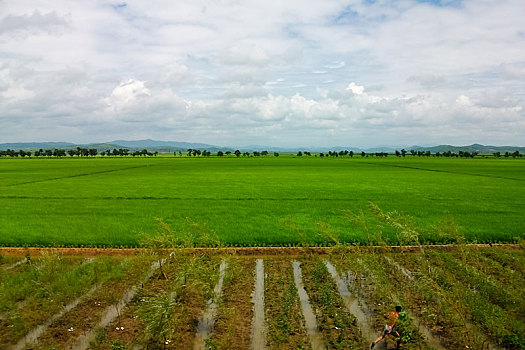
[[273, 201]]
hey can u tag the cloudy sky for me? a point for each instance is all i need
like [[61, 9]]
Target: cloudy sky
[[283, 73]]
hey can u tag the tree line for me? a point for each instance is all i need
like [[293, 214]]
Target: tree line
[[190, 152], [78, 152]]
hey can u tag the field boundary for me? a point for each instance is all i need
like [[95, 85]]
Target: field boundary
[[251, 251], [445, 171], [76, 175]]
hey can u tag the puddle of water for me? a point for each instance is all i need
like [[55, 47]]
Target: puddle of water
[[316, 338], [207, 319], [111, 313], [258, 328], [359, 310], [35, 333]]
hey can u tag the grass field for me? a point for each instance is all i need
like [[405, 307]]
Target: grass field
[[261, 201]]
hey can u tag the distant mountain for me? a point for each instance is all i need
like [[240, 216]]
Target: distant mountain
[[481, 149], [163, 144], [175, 146], [37, 145]]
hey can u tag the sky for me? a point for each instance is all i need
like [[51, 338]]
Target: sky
[[286, 73]]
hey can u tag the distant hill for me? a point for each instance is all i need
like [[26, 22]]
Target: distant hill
[[175, 146], [481, 149], [36, 145], [150, 144]]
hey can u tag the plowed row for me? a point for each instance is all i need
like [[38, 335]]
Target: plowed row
[[464, 297]]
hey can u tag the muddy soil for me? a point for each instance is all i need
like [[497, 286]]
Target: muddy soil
[[310, 320], [375, 295], [232, 329], [128, 328], [63, 332], [284, 320], [450, 321], [338, 326], [37, 305], [260, 251]]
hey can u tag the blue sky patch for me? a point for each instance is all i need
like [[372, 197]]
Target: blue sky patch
[[443, 3]]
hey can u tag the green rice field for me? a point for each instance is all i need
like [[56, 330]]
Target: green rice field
[[261, 200]]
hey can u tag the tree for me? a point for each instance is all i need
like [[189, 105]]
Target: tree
[[351, 153], [363, 154], [403, 152], [93, 152], [264, 153], [299, 154], [275, 154], [397, 153], [237, 153], [220, 154], [496, 154]]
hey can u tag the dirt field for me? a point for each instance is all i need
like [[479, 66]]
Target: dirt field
[[275, 298]]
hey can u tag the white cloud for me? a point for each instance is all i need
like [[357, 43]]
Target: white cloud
[[356, 89], [306, 72], [35, 23]]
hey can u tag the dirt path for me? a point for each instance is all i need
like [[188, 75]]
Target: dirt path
[[316, 338], [207, 319], [258, 328], [19, 251]]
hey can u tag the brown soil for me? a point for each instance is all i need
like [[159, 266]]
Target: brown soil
[[339, 327], [133, 326], [258, 251], [284, 320], [232, 329], [31, 311], [191, 297], [82, 318], [451, 334], [377, 301]]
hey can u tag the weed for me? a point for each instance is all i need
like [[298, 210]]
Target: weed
[[117, 345], [160, 315]]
